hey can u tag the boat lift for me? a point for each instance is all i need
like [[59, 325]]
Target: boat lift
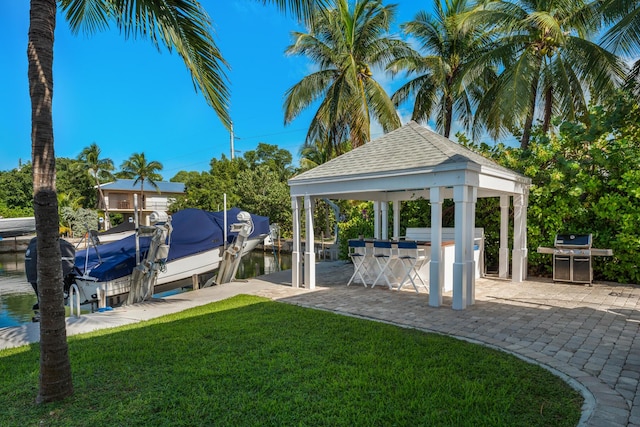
[[145, 273], [233, 254]]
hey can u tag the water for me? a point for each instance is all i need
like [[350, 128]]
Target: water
[[17, 297]]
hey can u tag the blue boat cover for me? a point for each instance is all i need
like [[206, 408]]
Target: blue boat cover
[[194, 231]]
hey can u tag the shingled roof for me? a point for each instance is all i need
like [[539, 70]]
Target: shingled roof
[[407, 148]]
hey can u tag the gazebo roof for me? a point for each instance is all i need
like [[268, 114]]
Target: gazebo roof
[[407, 159]]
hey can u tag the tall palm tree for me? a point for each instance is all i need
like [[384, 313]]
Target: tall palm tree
[[137, 167], [547, 60], [623, 35], [346, 43], [177, 24], [99, 169], [443, 86]]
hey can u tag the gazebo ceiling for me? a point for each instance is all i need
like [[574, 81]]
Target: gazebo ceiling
[[403, 165]]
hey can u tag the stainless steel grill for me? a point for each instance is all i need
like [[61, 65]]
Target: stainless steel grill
[[572, 257]]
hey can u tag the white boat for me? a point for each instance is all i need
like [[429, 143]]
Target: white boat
[[196, 245], [13, 227]]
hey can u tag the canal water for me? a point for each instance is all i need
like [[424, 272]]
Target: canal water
[[17, 297]]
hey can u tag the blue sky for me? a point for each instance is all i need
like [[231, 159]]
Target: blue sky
[[127, 97]]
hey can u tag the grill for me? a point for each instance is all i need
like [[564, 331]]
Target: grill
[[572, 257]]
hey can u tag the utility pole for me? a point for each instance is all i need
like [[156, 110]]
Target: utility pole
[[231, 140]]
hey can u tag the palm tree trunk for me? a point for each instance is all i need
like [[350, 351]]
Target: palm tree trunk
[[448, 116], [528, 124], [55, 368], [548, 103]]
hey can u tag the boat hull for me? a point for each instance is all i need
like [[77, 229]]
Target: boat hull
[[14, 227], [176, 272]]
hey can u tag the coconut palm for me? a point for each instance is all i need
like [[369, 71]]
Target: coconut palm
[[137, 167], [99, 169], [317, 152], [443, 85], [623, 17], [177, 24], [547, 60], [346, 43]]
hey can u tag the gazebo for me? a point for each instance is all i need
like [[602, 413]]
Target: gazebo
[[406, 164]]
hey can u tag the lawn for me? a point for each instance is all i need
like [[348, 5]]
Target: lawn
[[249, 361]]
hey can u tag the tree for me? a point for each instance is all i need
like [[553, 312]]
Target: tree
[[442, 85], [262, 192], [623, 18], [73, 179], [277, 159], [137, 168], [16, 192], [99, 169], [346, 43], [177, 24], [547, 60]]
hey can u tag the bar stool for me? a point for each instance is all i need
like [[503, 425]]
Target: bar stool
[[358, 254], [412, 259], [385, 258]]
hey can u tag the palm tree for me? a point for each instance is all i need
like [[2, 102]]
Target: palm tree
[[99, 169], [346, 43], [139, 169], [547, 60], [441, 86], [623, 17], [317, 152], [177, 24]]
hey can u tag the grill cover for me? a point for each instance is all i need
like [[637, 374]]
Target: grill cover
[[573, 240]]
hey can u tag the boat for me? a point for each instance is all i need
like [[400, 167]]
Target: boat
[[14, 227], [195, 242], [118, 232]]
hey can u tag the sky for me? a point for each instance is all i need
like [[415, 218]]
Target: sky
[[128, 98]]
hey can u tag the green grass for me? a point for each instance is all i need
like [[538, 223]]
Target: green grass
[[248, 361]]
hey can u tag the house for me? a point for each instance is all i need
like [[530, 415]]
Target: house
[[119, 198]]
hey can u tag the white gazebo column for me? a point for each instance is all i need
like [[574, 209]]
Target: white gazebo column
[[376, 219], [469, 237], [309, 247], [296, 270], [519, 251], [503, 266], [384, 213], [396, 220], [461, 199], [436, 269]]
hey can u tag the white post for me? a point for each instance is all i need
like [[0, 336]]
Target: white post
[[396, 220], [296, 270], [309, 247], [224, 208], [436, 269], [461, 199], [376, 219], [384, 212], [503, 266], [525, 242], [470, 234], [107, 221], [137, 225], [232, 137], [518, 251]]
